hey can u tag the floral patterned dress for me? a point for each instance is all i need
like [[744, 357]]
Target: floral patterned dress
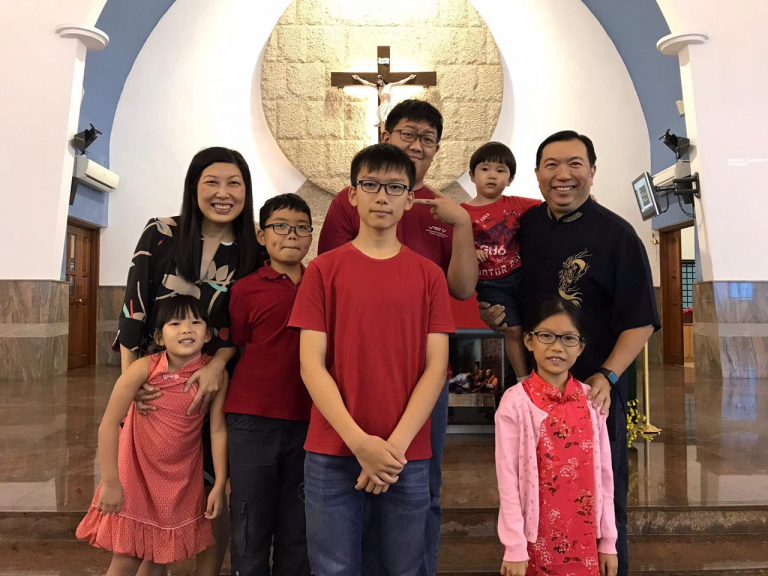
[[567, 541], [152, 276]]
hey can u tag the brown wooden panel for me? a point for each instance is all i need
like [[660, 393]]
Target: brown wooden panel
[[672, 297], [81, 272]]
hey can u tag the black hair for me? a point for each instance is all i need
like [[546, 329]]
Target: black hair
[[494, 152], [418, 111], [383, 157], [177, 308], [281, 201], [567, 136], [188, 244], [552, 306]]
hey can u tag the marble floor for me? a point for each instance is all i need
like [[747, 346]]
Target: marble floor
[[713, 449], [697, 491]]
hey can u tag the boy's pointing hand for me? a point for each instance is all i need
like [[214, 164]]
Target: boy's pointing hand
[[445, 209]]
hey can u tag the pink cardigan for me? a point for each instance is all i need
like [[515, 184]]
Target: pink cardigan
[[518, 425]]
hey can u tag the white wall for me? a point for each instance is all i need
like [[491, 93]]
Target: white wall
[[725, 89], [687, 244], [196, 84], [41, 79]]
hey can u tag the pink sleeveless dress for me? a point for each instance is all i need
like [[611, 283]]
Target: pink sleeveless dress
[[160, 462]]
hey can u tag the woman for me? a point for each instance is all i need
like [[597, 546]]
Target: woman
[[199, 253]]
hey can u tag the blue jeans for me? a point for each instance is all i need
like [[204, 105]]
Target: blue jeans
[[334, 511], [372, 562], [435, 518]]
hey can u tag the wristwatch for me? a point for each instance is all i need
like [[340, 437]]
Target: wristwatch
[[609, 375]]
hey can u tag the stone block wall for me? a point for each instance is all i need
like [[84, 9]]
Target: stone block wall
[[320, 130]]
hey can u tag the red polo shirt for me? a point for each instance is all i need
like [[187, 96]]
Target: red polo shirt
[[417, 229], [377, 315], [267, 379]]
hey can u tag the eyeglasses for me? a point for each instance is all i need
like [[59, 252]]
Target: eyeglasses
[[569, 340], [373, 187], [427, 140], [284, 229]]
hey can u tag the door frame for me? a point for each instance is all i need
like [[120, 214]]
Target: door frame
[[668, 319], [94, 283]]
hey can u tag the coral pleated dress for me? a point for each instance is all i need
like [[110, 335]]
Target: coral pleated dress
[[567, 542], [160, 462]]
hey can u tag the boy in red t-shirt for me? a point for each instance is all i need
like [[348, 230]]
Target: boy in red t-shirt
[[495, 223], [375, 318], [268, 405]]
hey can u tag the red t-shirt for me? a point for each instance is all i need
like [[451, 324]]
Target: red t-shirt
[[377, 315], [267, 379], [495, 227], [417, 229]]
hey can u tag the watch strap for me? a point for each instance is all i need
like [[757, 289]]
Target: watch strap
[[609, 375]]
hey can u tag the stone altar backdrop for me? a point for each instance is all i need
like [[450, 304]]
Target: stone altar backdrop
[[319, 128]]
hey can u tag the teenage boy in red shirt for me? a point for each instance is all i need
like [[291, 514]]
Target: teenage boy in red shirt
[[375, 318], [268, 405], [438, 229]]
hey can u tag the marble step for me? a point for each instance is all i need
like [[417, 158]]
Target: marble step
[[697, 555], [481, 522], [457, 522], [693, 555]]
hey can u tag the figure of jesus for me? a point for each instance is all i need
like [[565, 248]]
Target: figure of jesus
[[385, 95]]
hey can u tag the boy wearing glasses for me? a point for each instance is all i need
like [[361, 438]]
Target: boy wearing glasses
[[437, 228], [268, 405], [374, 318]]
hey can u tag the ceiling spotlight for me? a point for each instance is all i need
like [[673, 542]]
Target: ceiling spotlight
[[83, 139]]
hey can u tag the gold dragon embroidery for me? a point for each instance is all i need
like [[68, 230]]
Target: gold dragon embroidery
[[573, 269]]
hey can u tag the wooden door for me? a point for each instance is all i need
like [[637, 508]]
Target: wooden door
[[672, 297], [81, 272]]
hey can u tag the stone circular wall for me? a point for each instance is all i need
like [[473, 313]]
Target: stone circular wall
[[320, 128]]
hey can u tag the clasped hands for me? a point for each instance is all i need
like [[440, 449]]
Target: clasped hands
[[382, 462]]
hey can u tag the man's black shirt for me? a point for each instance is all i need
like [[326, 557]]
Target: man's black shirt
[[593, 258]]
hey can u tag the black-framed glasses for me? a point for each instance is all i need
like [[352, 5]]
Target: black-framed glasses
[[547, 337], [284, 229], [410, 136], [373, 187]]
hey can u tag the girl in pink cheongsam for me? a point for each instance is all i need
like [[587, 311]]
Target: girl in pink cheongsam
[[553, 460]]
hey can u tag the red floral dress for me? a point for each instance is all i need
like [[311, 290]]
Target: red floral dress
[[567, 536]]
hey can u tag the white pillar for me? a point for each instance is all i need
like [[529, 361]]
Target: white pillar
[[725, 91], [41, 81]]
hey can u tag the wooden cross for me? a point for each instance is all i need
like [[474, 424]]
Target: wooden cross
[[342, 79]]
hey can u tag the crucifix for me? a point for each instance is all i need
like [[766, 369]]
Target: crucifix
[[383, 80]]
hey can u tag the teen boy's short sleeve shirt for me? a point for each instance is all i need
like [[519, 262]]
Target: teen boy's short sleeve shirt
[[376, 315], [417, 229]]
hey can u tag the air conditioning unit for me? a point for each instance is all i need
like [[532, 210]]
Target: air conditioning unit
[[94, 175]]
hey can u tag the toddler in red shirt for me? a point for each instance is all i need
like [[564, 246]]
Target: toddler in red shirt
[[268, 405], [495, 224], [374, 318]]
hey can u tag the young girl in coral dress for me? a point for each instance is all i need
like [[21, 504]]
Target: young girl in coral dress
[[150, 504], [553, 460]]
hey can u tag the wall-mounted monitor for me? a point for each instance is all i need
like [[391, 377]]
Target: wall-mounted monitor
[[647, 197]]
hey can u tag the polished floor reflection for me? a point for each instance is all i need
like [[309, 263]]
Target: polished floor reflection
[[713, 450]]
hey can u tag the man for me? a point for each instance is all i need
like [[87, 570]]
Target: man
[[437, 228], [576, 249]]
